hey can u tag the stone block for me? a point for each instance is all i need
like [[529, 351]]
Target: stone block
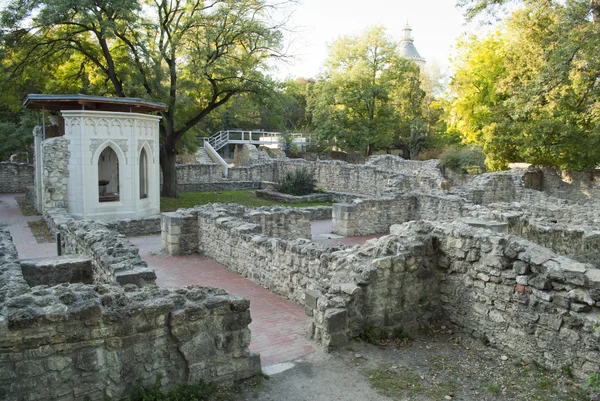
[[336, 319], [57, 270], [311, 297]]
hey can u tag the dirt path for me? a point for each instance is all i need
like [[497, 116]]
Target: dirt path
[[437, 366]]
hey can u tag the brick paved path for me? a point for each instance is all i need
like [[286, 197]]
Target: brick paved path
[[12, 219], [278, 326]]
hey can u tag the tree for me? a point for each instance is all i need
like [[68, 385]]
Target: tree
[[530, 91], [367, 95], [194, 55]]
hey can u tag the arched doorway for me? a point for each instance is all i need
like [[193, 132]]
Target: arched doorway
[[108, 176], [143, 174]]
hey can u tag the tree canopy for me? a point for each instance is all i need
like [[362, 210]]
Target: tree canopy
[[193, 55], [367, 96], [529, 92]]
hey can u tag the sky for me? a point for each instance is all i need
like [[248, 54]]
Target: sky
[[436, 24]]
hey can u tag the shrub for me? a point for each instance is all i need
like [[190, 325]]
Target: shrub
[[467, 160], [382, 335], [429, 154], [300, 181], [199, 391]]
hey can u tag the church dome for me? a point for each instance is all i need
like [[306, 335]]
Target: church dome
[[407, 47]]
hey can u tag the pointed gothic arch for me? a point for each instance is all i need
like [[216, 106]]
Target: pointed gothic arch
[[110, 160]]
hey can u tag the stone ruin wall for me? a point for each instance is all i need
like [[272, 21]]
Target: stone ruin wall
[[291, 267], [517, 295], [573, 185], [78, 341], [136, 227], [114, 258], [182, 230], [380, 175], [55, 175], [495, 286], [375, 216], [15, 177]]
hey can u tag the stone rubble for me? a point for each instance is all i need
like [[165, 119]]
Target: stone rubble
[[510, 257], [80, 341]]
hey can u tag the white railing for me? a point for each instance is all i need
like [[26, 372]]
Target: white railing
[[222, 138], [216, 157]]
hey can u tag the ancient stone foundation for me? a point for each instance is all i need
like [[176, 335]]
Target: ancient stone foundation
[[114, 258], [468, 261], [77, 341], [15, 177]]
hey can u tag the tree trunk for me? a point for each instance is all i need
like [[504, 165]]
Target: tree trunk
[[369, 150], [595, 6], [168, 156]]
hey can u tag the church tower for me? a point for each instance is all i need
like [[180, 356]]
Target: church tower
[[408, 49]]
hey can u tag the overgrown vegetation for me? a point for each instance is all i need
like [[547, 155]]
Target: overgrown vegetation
[[40, 231], [199, 391], [242, 197], [383, 335], [528, 92], [26, 208], [465, 160], [298, 182]]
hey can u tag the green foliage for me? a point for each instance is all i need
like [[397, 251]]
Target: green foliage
[[382, 335], [467, 159], [367, 96], [16, 131], [194, 57], [300, 181], [242, 197], [529, 92], [418, 137], [593, 382], [200, 391]]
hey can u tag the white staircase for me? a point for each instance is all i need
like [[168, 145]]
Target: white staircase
[[202, 157]]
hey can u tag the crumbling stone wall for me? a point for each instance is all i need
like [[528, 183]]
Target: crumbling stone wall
[[369, 216], [114, 258], [57, 270], [331, 281], [280, 222], [380, 175], [498, 187], [77, 341], [517, 295], [136, 227], [573, 185], [372, 216], [259, 172], [513, 293], [55, 175], [15, 177], [182, 230]]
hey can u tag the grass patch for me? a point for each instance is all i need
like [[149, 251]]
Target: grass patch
[[25, 206], [492, 388], [382, 335], [242, 197], [41, 232], [199, 391], [394, 383], [403, 382]]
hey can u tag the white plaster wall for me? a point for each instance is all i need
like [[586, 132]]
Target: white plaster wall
[[90, 132]]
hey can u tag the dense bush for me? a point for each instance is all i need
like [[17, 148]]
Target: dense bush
[[300, 181], [428, 154], [467, 160]]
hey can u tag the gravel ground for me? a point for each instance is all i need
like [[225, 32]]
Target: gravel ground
[[439, 366]]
